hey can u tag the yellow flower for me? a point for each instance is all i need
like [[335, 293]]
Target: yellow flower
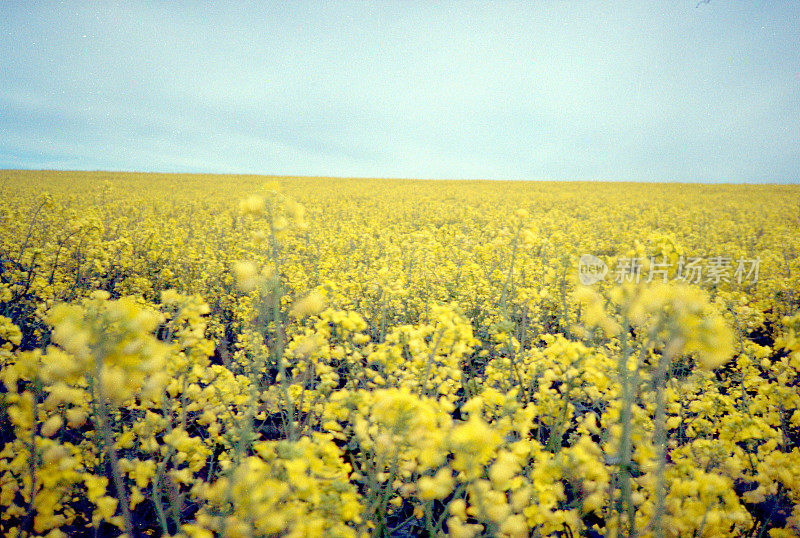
[[76, 417], [51, 426], [247, 276], [253, 204], [438, 487], [503, 470], [106, 507], [310, 305]]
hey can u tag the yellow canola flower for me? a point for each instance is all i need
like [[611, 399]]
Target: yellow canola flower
[[437, 487], [447, 350], [51, 426], [474, 443], [310, 305], [247, 275], [253, 204]]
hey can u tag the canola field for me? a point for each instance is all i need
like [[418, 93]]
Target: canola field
[[203, 355]]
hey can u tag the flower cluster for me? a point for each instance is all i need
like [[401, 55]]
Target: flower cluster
[[201, 356]]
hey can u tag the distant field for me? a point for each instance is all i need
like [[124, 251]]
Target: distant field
[[255, 356]]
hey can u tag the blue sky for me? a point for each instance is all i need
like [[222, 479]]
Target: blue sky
[[553, 90]]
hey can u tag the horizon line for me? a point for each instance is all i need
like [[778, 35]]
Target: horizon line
[[401, 178]]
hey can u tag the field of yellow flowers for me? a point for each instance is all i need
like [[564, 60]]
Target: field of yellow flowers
[[242, 356]]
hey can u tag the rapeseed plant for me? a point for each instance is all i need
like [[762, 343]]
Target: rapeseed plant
[[317, 357]]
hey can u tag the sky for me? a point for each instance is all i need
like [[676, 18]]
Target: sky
[[662, 90]]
